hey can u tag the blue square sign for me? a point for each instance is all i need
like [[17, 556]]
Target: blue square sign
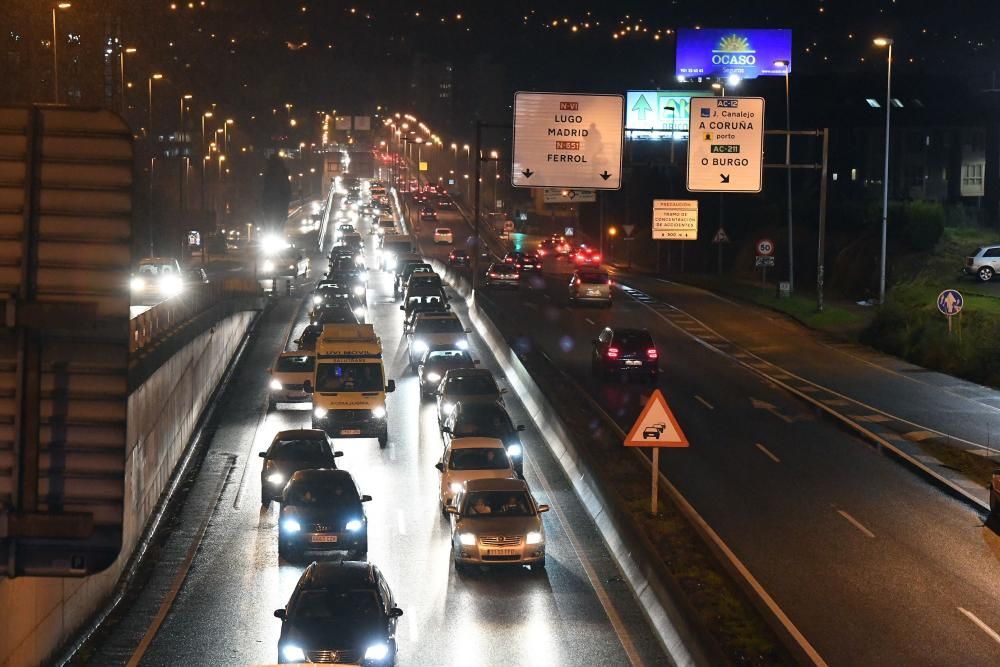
[[705, 112]]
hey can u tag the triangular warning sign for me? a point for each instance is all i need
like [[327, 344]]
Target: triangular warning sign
[[721, 236], [656, 426]]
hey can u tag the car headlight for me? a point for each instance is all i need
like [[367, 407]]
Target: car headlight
[[137, 284], [353, 525], [275, 385], [533, 537], [377, 652], [359, 290], [447, 408], [364, 276], [462, 344], [359, 312], [455, 487], [317, 299], [514, 451], [293, 654], [275, 478], [268, 266], [291, 526], [467, 539], [433, 377], [419, 346], [170, 285], [390, 262], [320, 412], [378, 412]]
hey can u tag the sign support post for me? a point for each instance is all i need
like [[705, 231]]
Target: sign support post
[[655, 495], [656, 427]]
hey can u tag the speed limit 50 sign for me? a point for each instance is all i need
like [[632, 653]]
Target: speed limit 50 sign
[[765, 248]]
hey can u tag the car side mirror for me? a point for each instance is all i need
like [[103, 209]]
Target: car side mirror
[[468, 331], [451, 509], [395, 612], [439, 466], [390, 386], [297, 341], [446, 429], [366, 498], [307, 387], [262, 455], [543, 508], [337, 455], [280, 613], [519, 427]]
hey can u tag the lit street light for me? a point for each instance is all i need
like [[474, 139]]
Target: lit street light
[[149, 127], [121, 61], [55, 52], [204, 156], [885, 42], [786, 65]]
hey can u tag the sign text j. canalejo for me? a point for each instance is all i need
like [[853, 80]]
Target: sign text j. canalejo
[[726, 148], [564, 140]]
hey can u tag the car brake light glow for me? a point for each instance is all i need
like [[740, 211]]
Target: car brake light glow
[[612, 353], [492, 275], [652, 353], [579, 282]]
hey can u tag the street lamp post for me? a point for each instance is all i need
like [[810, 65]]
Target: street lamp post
[[495, 156], [149, 127], [121, 62], [225, 137], [181, 158], [884, 41], [204, 156], [786, 65], [55, 52]]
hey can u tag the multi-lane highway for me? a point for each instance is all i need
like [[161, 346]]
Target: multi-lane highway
[[209, 599], [868, 561]]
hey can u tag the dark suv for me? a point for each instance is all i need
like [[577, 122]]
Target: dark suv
[[321, 510], [342, 613], [626, 352], [291, 451]]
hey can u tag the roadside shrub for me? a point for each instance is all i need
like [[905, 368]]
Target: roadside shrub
[[922, 225]]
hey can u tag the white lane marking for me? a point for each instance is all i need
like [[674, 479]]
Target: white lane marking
[[589, 321], [401, 522], [982, 626], [704, 402], [857, 524], [602, 595], [175, 588], [767, 452]]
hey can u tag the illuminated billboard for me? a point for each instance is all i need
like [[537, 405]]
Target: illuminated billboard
[[725, 52]]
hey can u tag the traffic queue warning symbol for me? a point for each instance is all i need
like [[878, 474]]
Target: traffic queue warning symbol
[[656, 426]]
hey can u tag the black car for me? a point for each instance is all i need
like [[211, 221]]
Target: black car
[[523, 261], [307, 339], [626, 352], [356, 279], [335, 313], [289, 452], [342, 613], [436, 362], [321, 510], [485, 420], [428, 214], [404, 272], [458, 258]]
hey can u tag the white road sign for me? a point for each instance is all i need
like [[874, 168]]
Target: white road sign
[[562, 140], [726, 148], [675, 220]]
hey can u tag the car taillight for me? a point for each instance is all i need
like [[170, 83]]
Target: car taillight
[[597, 258], [651, 353], [612, 353], [508, 260], [517, 275], [493, 275], [578, 281]]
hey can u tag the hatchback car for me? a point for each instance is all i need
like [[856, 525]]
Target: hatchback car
[[444, 235], [428, 214], [626, 352], [502, 275], [486, 420], [438, 360], [288, 375], [339, 613], [289, 452], [435, 329], [984, 263], [467, 385], [497, 522], [587, 256], [321, 510], [591, 286], [471, 458], [458, 258]]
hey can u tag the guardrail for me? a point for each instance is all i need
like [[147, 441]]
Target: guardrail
[[166, 316]]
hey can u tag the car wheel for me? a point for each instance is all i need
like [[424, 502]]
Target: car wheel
[[985, 273], [265, 501], [383, 440], [288, 553], [539, 566], [460, 568]]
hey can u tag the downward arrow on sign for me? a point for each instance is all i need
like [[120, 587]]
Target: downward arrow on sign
[[528, 173], [725, 178], [605, 175]]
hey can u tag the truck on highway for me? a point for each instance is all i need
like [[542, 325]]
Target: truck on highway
[[348, 386]]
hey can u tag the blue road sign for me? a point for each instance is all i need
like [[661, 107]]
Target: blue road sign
[[950, 302]]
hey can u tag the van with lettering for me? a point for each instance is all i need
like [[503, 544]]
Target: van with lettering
[[348, 384]]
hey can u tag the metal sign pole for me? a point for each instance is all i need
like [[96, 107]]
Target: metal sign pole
[[655, 501], [475, 207]]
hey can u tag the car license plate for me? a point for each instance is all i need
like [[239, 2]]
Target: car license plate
[[593, 292], [501, 552], [350, 431], [324, 538], [633, 363]]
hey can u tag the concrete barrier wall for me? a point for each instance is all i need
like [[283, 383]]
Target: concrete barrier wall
[[38, 615]]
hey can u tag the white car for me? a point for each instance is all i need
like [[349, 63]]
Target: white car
[[443, 235], [433, 330], [465, 459]]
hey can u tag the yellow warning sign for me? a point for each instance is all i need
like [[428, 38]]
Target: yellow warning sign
[[656, 426]]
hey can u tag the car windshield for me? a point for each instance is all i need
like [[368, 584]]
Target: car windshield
[[286, 450], [485, 423], [471, 386], [438, 325], [430, 300], [335, 377], [498, 504], [156, 269], [303, 364], [343, 606], [479, 458], [340, 492], [448, 356], [633, 339], [336, 314], [594, 278]]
